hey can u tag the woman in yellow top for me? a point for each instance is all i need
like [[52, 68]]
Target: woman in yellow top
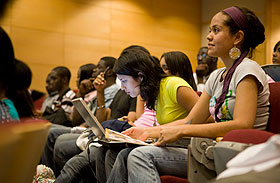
[[170, 96]]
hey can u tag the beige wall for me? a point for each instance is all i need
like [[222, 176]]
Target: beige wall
[[267, 10], [210, 8], [48, 33]]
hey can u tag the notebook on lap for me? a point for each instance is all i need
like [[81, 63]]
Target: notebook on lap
[[106, 137]]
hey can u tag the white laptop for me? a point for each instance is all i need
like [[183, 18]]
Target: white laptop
[[90, 119], [97, 128]]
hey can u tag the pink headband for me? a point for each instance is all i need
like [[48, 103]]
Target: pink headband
[[238, 17]]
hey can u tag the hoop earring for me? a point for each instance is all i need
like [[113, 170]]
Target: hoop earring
[[234, 53]]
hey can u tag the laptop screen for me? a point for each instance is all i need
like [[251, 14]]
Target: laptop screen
[[87, 115]]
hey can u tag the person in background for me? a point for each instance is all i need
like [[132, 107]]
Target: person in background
[[52, 94], [176, 63], [273, 70], [8, 111], [60, 77], [105, 94], [173, 63], [84, 81], [57, 130], [19, 92], [236, 96], [150, 76], [84, 74], [60, 111], [122, 105], [276, 53], [15, 78], [85, 87], [205, 66]]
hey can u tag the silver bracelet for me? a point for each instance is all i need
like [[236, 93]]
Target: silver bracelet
[[100, 107]]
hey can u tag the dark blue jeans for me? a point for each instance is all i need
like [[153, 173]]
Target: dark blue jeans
[[118, 173], [116, 125], [93, 163], [48, 153]]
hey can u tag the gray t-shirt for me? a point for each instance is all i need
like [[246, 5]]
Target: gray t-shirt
[[109, 94], [214, 87]]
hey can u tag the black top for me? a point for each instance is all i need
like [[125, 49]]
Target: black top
[[121, 105]]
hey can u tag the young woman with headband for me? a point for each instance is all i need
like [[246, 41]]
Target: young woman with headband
[[235, 96]]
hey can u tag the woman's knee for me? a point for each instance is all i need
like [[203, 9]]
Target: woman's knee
[[138, 154], [65, 146]]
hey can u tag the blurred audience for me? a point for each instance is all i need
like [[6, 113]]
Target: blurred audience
[[276, 53], [176, 63], [52, 94], [205, 66], [61, 109], [15, 78], [110, 91]]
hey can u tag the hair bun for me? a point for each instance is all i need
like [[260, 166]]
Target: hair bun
[[255, 33]]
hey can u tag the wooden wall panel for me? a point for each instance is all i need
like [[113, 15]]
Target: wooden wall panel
[[87, 20], [48, 33], [81, 50], [136, 6], [273, 32], [38, 14], [132, 27], [36, 46], [210, 8]]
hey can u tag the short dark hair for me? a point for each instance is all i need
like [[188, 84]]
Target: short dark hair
[[276, 45], [110, 62], [134, 62], [211, 65], [179, 64], [253, 35], [63, 71]]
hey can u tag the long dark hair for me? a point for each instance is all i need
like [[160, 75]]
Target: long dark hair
[[179, 64], [253, 35], [136, 47], [86, 71], [7, 59], [18, 90], [135, 63], [15, 78]]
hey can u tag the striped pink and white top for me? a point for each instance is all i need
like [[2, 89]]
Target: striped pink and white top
[[147, 119]]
